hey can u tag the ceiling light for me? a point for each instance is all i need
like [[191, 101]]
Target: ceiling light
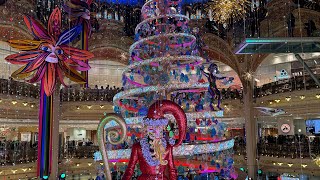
[[277, 100], [317, 96], [32, 105], [101, 106], [270, 102], [302, 97], [89, 164], [78, 107], [14, 102], [89, 106], [78, 164], [0, 100], [25, 103], [304, 165], [290, 164], [280, 164], [288, 98]]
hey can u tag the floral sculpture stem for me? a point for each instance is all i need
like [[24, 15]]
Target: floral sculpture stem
[[85, 46], [111, 133], [45, 133]]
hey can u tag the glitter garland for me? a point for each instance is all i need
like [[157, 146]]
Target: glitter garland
[[136, 91], [146, 21], [183, 150], [190, 116], [146, 151], [195, 60], [154, 122], [157, 37]]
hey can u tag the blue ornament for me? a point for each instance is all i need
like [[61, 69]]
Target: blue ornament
[[181, 77], [188, 68], [186, 78], [143, 111], [164, 79], [187, 106], [147, 79], [213, 132]]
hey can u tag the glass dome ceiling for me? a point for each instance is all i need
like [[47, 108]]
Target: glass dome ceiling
[[141, 2]]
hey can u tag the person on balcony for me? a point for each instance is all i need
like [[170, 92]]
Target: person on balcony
[[291, 21]]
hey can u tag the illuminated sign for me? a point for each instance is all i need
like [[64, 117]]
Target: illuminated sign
[[283, 74], [97, 156]]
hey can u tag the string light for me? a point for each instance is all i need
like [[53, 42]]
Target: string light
[[224, 10], [288, 98], [302, 97]]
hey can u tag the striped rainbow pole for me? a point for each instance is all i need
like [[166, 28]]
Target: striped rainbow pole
[[45, 134], [85, 46]]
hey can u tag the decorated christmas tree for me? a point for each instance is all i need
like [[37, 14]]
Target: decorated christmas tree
[[166, 64]]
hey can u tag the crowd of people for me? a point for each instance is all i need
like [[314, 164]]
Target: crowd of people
[[286, 85], [76, 93], [89, 94], [292, 146]]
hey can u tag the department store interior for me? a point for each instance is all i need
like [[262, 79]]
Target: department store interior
[[160, 89]]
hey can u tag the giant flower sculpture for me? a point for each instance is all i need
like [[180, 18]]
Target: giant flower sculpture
[[48, 58]]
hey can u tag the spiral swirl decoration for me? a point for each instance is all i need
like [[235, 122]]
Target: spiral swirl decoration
[[112, 134]]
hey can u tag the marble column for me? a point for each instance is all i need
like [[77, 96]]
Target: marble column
[[251, 130], [55, 135]]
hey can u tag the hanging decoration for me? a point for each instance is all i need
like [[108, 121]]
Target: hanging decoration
[[224, 10], [79, 12], [47, 59]]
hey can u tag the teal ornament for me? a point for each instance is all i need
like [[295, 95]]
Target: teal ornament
[[168, 128], [181, 169], [198, 71], [171, 134]]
